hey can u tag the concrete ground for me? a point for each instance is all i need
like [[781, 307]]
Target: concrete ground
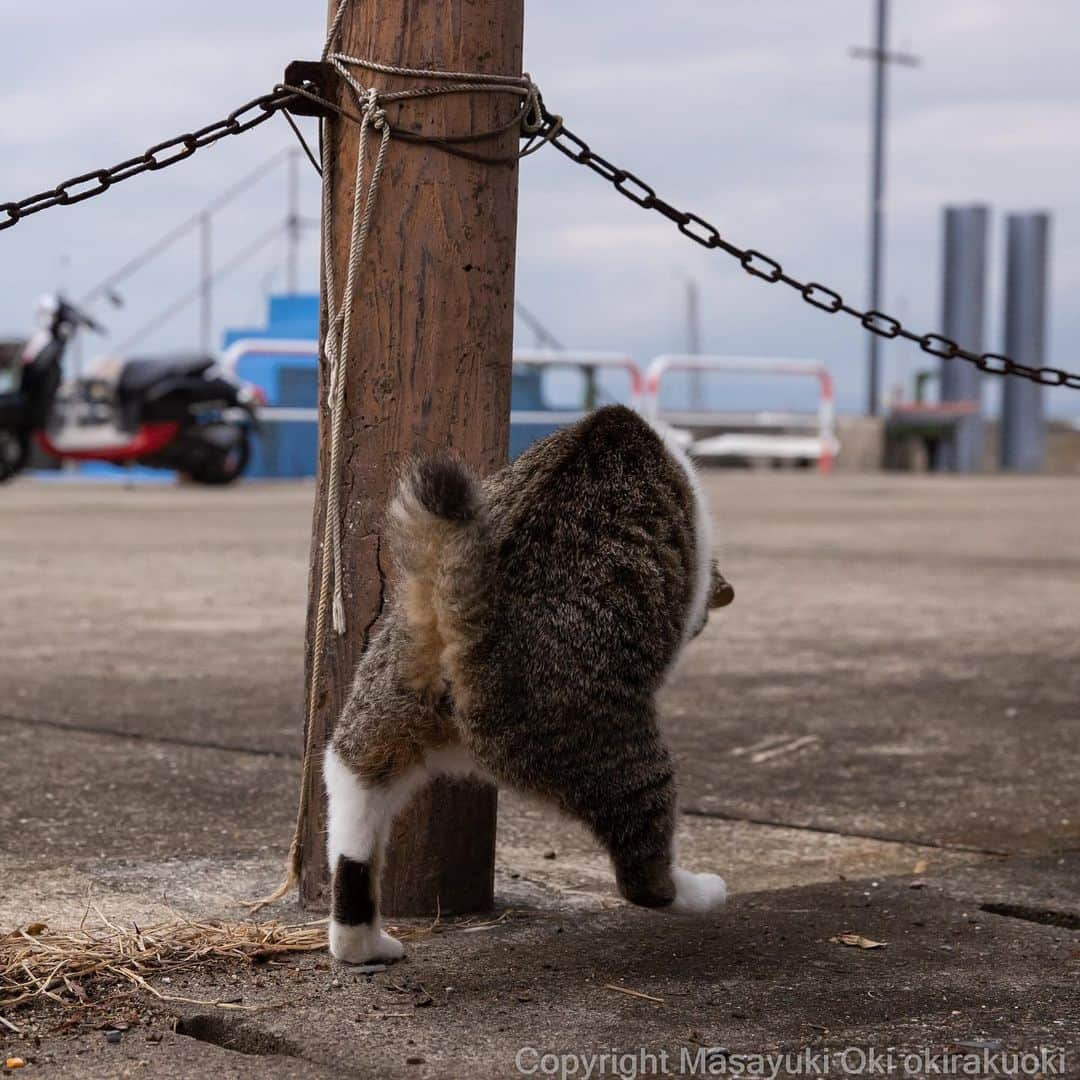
[[881, 736]]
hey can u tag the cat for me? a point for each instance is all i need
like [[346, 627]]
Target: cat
[[535, 616]]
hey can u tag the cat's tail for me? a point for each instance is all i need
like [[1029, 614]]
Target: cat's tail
[[439, 538]]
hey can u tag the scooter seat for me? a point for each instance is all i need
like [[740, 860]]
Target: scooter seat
[[139, 375]]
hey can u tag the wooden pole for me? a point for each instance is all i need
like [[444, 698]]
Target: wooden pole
[[428, 369]]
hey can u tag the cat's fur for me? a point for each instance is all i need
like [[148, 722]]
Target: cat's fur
[[535, 618]]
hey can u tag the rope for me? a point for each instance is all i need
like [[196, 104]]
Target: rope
[[330, 605], [551, 127]]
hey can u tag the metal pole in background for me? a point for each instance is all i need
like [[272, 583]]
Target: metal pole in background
[[693, 340], [963, 317], [880, 55], [877, 197], [1023, 429], [292, 225], [693, 317], [206, 331]]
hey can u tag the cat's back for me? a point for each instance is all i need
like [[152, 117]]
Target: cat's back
[[592, 558]]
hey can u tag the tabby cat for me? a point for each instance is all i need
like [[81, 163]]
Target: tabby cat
[[535, 617]]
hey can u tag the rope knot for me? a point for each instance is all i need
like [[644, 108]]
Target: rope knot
[[532, 115], [370, 106]]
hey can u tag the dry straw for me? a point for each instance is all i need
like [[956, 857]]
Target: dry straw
[[38, 964]]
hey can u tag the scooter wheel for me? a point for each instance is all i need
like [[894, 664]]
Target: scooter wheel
[[225, 464], [14, 450]]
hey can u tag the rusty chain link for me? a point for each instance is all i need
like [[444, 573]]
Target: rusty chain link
[[770, 270], [97, 182]]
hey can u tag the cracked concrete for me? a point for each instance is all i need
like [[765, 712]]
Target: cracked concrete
[[879, 736]]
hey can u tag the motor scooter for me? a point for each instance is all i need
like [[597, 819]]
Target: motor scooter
[[185, 412]]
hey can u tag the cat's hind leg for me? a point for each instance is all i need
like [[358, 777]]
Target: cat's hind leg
[[614, 773], [374, 764], [638, 829], [697, 894], [360, 810], [363, 797]]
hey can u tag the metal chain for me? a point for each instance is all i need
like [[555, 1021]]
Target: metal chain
[[161, 156], [554, 131], [759, 265]]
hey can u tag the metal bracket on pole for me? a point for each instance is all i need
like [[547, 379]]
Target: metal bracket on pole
[[317, 78]]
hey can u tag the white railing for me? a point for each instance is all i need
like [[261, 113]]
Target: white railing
[[610, 361], [820, 446], [523, 357]]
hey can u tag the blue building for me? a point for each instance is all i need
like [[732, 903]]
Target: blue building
[[285, 447]]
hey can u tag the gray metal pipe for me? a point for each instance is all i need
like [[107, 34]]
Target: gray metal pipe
[[1023, 428], [877, 204], [963, 317]]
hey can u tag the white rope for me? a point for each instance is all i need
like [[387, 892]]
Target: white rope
[[330, 605], [334, 28], [456, 82], [339, 324], [432, 73]]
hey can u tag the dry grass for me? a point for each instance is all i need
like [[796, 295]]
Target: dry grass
[[38, 964]]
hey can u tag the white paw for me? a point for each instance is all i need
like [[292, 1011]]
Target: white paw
[[697, 894], [364, 944]]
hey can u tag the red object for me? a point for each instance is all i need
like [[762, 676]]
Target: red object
[[825, 462], [148, 440]]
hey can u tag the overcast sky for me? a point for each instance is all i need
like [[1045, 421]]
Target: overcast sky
[[750, 112]]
